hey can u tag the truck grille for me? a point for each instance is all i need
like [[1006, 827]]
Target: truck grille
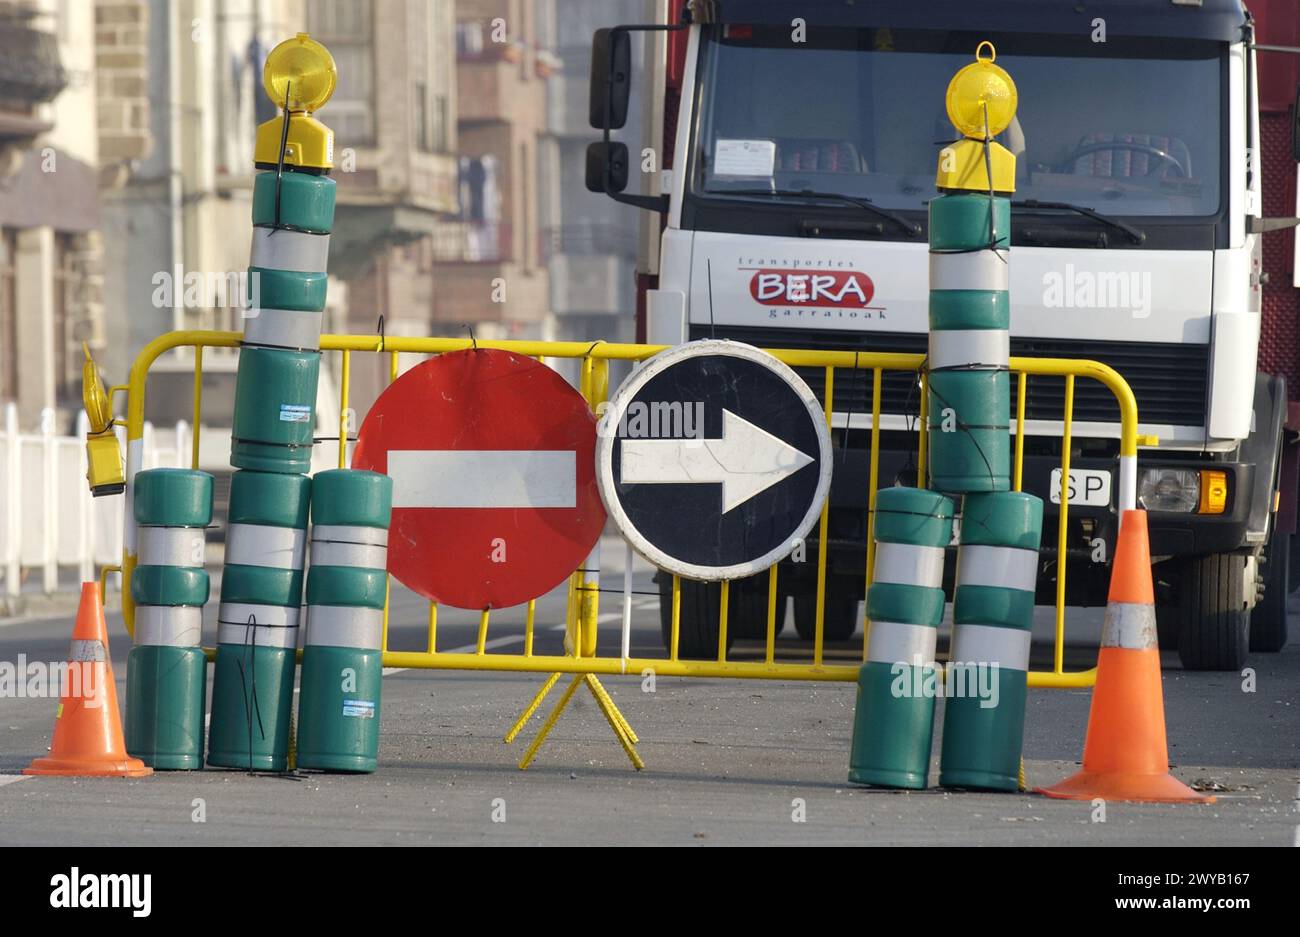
[[1169, 380]]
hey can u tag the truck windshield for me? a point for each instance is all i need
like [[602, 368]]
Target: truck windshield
[[1128, 128]]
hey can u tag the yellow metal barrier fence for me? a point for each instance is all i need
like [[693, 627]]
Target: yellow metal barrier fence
[[581, 658]]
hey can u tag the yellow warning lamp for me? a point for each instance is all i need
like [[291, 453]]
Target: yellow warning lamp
[[299, 76], [981, 103], [103, 457]]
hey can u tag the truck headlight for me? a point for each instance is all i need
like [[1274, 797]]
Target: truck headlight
[[1164, 489]]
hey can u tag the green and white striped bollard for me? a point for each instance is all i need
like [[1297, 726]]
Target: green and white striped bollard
[[257, 635], [342, 660], [970, 315], [166, 675], [993, 615], [279, 362], [894, 716]]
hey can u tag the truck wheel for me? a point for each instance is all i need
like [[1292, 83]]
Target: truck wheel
[[747, 608], [1168, 586], [701, 607], [1293, 550], [841, 614], [1214, 613], [1268, 620]]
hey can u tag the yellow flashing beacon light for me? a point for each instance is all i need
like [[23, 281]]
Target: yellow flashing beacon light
[[299, 77], [981, 103], [103, 456]]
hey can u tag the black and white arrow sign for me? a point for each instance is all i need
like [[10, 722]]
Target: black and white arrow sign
[[714, 460], [745, 461]]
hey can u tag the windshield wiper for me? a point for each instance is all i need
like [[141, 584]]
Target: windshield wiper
[[912, 228], [1134, 235]]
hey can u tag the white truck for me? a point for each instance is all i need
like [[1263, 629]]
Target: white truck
[[792, 148]]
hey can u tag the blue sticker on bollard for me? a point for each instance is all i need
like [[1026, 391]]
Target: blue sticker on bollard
[[359, 708], [292, 413]]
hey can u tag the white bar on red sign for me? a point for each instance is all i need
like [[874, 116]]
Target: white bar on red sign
[[483, 478]]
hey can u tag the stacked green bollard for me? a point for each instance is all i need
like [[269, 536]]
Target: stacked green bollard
[[166, 677], [970, 315], [257, 632], [274, 416], [894, 715], [279, 362], [342, 661], [993, 614], [968, 430]]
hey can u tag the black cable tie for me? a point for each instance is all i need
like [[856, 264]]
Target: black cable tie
[[284, 145], [282, 445], [966, 428], [973, 366], [244, 344]]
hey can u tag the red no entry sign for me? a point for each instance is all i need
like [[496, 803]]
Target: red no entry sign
[[492, 457]]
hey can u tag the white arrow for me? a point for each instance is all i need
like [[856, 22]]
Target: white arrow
[[746, 461]]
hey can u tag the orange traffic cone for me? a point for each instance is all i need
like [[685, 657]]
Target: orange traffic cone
[[87, 726], [1124, 754]]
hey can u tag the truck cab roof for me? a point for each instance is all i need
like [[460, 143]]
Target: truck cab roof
[[1216, 20]]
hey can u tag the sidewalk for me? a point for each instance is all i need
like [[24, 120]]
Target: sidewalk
[[36, 604]]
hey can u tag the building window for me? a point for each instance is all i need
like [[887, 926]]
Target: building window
[[434, 88], [420, 114], [346, 27], [528, 249], [64, 297], [479, 235], [8, 315], [442, 124]]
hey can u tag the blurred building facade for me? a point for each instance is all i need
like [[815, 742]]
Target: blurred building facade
[[589, 241], [394, 115], [126, 138], [51, 252], [178, 181], [490, 273]]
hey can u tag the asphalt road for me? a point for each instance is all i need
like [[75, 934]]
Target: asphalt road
[[728, 761]]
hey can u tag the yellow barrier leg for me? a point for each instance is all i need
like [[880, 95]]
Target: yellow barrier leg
[[531, 708], [572, 618], [616, 721], [1021, 779], [589, 610], [607, 702], [550, 723]]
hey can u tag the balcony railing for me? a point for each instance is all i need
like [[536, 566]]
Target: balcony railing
[[588, 240], [473, 242]]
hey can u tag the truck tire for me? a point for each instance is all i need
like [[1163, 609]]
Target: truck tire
[[701, 607], [841, 614], [747, 608], [1268, 620], [1293, 550], [1214, 616], [1168, 587]]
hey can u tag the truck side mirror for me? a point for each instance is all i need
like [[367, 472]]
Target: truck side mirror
[[611, 157], [611, 79]]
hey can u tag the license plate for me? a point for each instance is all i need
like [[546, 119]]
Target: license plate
[[1087, 486]]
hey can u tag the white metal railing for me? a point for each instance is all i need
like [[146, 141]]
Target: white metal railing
[[49, 523]]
